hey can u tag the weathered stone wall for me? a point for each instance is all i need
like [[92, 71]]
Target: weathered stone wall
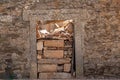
[[14, 40], [102, 30], [102, 40]]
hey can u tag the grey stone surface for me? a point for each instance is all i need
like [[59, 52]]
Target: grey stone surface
[[6, 18]]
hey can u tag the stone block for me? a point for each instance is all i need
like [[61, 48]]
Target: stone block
[[6, 18], [39, 45], [54, 43], [39, 56], [67, 67], [54, 75], [53, 53], [54, 61], [47, 67]]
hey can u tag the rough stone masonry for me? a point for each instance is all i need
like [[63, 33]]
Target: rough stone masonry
[[101, 43]]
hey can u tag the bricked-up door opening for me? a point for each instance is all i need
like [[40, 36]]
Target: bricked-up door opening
[[55, 49]]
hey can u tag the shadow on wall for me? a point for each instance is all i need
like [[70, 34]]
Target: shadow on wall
[[8, 73]]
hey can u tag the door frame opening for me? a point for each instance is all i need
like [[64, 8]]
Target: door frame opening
[[64, 14]]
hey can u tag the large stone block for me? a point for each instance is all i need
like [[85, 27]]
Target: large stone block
[[54, 75], [54, 61], [54, 43], [53, 53], [47, 68]]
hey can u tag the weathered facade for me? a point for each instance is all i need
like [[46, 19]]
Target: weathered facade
[[98, 36]]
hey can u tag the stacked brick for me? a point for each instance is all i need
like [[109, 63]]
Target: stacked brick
[[54, 58]]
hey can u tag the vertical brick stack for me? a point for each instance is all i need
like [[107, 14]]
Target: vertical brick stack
[[54, 58]]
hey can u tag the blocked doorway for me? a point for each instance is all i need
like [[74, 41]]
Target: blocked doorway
[[55, 49]]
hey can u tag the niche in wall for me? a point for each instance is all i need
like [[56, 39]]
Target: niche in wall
[[55, 49]]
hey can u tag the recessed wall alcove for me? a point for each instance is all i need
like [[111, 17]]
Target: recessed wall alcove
[[78, 17]]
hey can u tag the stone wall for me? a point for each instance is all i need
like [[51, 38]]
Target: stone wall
[[101, 43], [14, 40], [102, 40]]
